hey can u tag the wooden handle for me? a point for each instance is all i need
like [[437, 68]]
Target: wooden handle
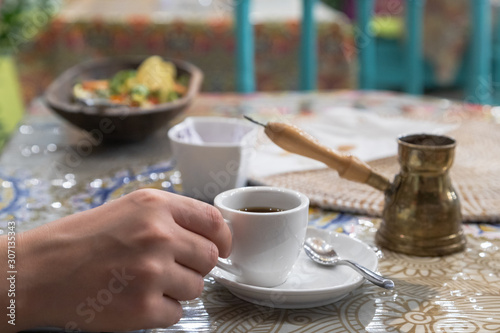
[[296, 141]]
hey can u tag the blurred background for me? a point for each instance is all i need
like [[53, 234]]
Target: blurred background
[[201, 31], [39, 39]]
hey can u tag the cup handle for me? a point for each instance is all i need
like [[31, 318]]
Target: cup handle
[[226, 264]]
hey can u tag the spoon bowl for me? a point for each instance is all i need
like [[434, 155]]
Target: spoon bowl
[[323, 253]]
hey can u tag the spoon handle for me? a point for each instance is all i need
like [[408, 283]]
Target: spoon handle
[[368, 274]]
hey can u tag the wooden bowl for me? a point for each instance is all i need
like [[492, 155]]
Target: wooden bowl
[[121, 123]]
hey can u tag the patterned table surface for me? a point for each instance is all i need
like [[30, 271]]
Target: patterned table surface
[[49, 170]]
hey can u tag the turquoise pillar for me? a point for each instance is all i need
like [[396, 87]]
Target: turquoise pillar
[[365, 44], [245, 68], [308, 48], [496, 58], [479, 87], [413, 47]]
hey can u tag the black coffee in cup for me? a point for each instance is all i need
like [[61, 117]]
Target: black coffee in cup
[[261, 209]]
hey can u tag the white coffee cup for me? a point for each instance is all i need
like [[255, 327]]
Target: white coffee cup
[[212, 154], [265, 245]]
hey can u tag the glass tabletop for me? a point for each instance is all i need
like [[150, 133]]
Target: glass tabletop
[[49, 170]]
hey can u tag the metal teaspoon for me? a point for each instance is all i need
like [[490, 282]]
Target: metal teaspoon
[[322, 253]]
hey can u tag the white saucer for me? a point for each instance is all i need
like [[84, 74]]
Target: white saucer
[[309, 284]]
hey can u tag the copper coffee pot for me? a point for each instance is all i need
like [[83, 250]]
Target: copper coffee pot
[[422, 213]]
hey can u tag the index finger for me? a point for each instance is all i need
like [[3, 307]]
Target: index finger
[[203, 219]]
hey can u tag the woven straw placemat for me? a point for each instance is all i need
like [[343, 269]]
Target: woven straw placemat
[[475, 175]]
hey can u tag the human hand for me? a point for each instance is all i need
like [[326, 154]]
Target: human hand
[[122, 266]]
